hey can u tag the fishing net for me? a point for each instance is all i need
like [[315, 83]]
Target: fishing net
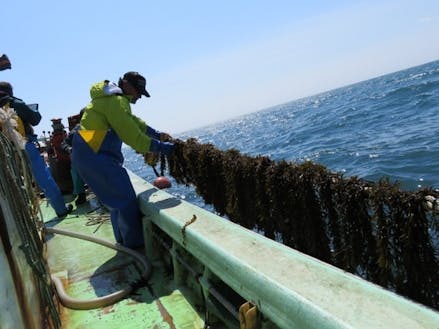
[[20, 202]]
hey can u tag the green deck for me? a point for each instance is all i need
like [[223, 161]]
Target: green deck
[[90, 270]]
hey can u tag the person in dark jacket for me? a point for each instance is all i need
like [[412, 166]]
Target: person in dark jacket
[[29, 117]]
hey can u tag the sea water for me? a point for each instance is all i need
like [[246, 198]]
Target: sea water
[[386, 127]]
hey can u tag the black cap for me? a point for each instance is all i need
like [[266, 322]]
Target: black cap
[[137, 81], [6, 88]]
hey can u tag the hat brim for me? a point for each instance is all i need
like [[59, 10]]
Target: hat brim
[[146, 93]]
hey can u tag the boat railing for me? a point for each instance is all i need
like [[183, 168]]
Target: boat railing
[[240, 272]]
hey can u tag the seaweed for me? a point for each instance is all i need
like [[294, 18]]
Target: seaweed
[[372, 229]]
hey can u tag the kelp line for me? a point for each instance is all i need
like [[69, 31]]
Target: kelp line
[[374, 230]]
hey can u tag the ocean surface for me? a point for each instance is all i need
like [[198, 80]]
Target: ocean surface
[[383, 127]]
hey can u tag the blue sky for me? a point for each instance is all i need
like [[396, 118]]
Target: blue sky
[[207, 61]]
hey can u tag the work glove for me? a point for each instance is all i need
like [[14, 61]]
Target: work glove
[[151, 132], [165, 148]]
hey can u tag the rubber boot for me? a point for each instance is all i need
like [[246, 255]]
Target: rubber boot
[[80, 199], [69, 209]]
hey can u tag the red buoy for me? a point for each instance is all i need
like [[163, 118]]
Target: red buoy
[[162, 182]]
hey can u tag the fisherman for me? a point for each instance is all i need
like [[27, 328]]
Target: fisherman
[[66, 147], [96, 151], [28, 117]]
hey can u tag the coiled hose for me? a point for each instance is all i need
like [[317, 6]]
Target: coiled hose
[[80, 304]]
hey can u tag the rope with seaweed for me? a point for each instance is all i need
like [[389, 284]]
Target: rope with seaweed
[[372, 229]]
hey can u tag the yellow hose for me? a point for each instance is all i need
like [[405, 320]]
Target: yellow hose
[[80, 304]]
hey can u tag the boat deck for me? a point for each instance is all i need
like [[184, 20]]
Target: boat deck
[[89, 270]]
